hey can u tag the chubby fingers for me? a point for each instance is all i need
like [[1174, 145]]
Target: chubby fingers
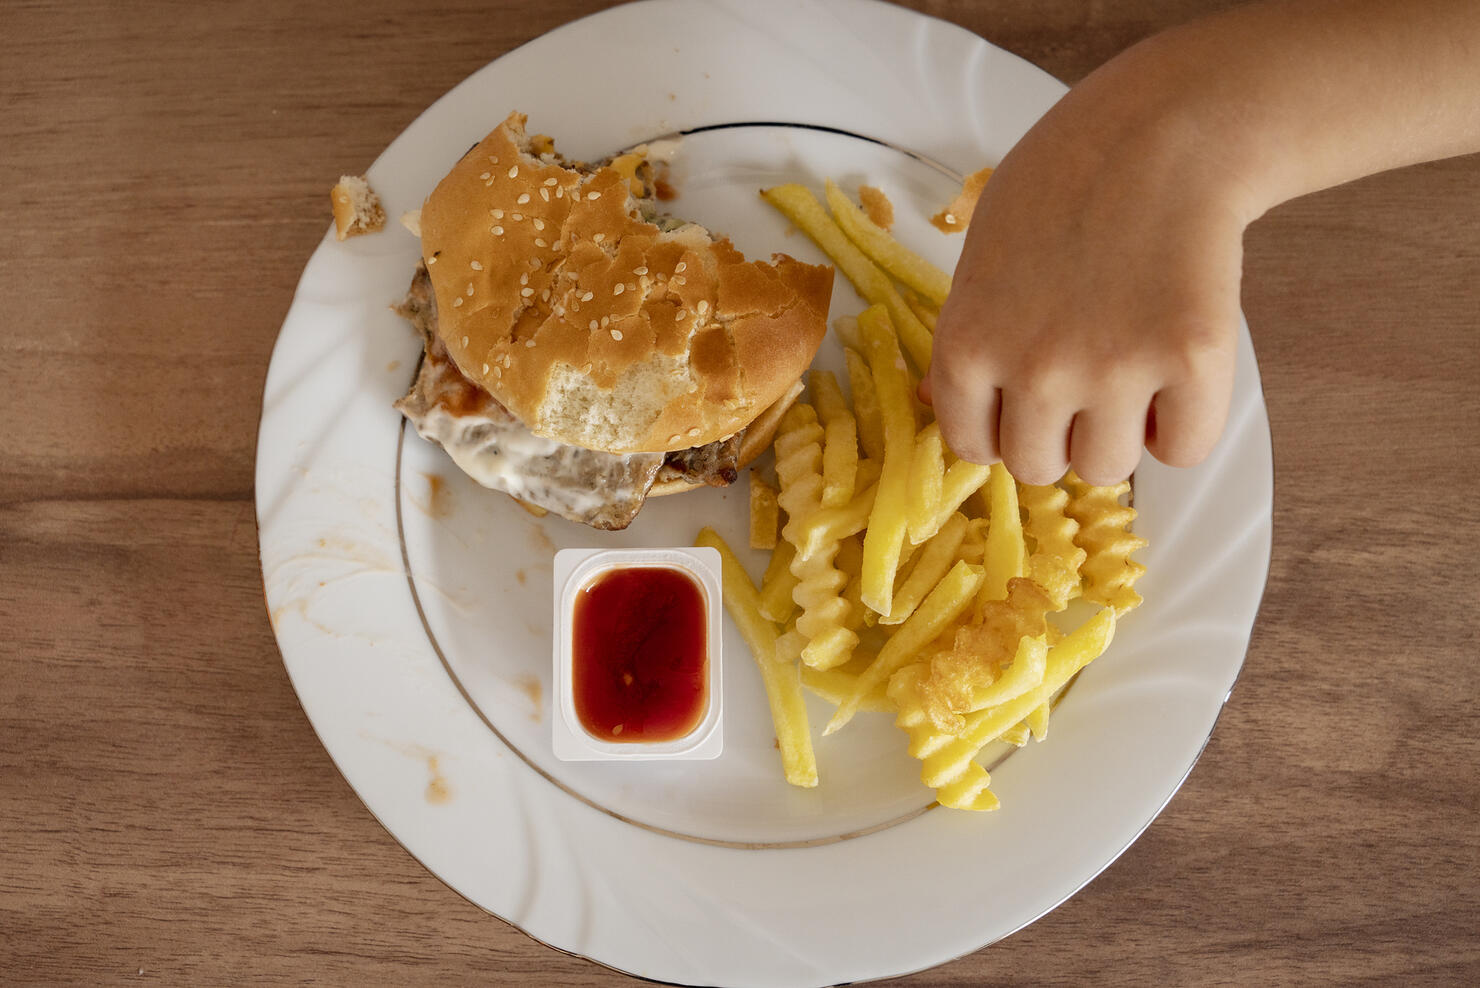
[[1186, 418], [967, 409]]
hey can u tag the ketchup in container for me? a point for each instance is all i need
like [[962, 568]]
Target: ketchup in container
[[640, 654]]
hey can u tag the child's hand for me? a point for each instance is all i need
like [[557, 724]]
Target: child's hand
[[1095, 308], [1096, 303]]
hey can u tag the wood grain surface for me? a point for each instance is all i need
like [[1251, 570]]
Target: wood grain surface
[[166, 812]]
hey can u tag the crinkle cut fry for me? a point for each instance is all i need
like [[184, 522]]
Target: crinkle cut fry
[[819, 587], [1108, 572], [1055, 561]]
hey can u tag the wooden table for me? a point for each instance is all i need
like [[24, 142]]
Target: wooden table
[[166, 812]]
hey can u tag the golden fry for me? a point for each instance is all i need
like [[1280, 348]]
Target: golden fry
[[835, 685], [935, 559], [963, 479], [965, 677], [782, 682], [865, 406], [777, 585], [1005, 552], [798, 204], [922, 309], [1077, 650], [886, 524], [1109, 572], [1055, 562], [950, 597], [819, 586], [888, 253], [765, 516], [840, 440], [927, 482]]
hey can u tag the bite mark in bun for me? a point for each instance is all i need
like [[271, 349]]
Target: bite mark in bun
[[595, 324]]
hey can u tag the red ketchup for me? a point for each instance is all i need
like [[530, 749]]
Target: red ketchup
[[640, 662]]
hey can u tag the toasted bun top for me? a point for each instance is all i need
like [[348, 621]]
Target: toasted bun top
[[595, 327]]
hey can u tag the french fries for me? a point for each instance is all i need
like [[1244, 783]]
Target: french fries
[[798, 204], [927, 482], [888, 253], [840, 440], [865, 406], [906, 580], [886, 529], [782, 682], [765, 514]]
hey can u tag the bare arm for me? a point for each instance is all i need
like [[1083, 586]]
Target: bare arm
[[1096, 302]]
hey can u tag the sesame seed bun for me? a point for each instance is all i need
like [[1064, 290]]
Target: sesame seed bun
[[596, 327]]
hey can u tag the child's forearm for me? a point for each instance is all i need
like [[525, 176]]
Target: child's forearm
[[1301, 95]]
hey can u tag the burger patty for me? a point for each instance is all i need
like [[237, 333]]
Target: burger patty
[[603, 490]]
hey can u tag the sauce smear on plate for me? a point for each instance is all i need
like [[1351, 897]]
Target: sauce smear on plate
[[640, 663]]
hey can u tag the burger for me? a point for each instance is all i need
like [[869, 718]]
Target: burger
[[585, 352]]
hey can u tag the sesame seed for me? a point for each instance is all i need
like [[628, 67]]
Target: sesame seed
[[545, 295], [693, 432], [594, 325], [497, 231], [539, 224], [680, 281], [598, 238], [485, 175], [529, 343], [465, 341], [524, 278], [703, 306], [535, 262], [673, 438], [950, 219], [492, 160], [517, 217], [605, 320], [545, 194], [680, 267], [681, 314], [619, 289], [498, 372], [523, 198], [488, 183], [470, 288], [485, 368], [640, 271], [508, 360], [475, 265], [457, 301], [514, 172], [540, 242], [497, 214], [526, 292], [551, 181], [586, 368], [617, 335], [588, 296], [431, 260], [593, 195]]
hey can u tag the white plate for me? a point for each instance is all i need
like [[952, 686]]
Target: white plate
[[414, 614]]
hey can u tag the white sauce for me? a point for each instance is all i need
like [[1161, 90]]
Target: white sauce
[[499, 452]]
